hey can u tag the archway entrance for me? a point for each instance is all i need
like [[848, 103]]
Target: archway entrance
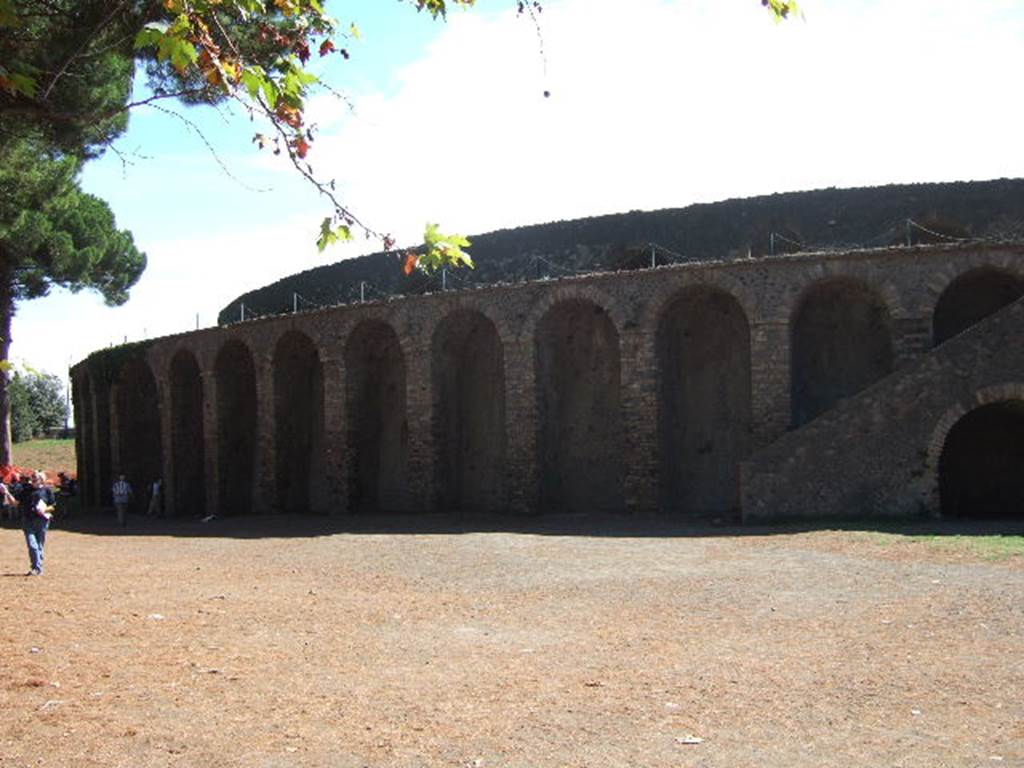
[[138, 427], [298, 422], [469, 413], [236, 427], [980, 465], [841, 342], [188, 446], [579, 398], [972, 297], [704, 413], [378, 433]]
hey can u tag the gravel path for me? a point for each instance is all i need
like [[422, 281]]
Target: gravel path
[[420, 648]]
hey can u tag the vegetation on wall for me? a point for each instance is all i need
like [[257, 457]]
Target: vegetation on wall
[[829, 219]]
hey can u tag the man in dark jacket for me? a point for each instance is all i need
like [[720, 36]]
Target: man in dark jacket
[[37, 502]]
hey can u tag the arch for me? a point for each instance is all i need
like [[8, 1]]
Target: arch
[[667, 291], [971, 297], [140, 455], [841, 342], [298, 421], [378, 432], [548, 299], [979, 466], [704, 406], [579, 395], [85, 444], [188, 445], [235, 374], [468, 373]]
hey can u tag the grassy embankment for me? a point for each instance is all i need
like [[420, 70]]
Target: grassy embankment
[[51, 456]]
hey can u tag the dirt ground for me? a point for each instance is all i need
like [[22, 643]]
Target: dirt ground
[[272, 643]]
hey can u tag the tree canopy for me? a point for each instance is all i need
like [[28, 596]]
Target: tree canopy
[[53, 234]]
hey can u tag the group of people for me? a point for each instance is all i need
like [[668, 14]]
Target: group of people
[[34, 500], [123, 495]]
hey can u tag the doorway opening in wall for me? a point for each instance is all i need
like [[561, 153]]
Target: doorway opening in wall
[[980, 466]]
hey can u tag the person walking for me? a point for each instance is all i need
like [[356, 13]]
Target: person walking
[[37, 502], [122, 492], [155, 506]]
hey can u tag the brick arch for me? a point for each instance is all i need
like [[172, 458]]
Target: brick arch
[[995, 393], [376, 367], [841, 341], [479, 304], [298, 421], [188, 446], [965, 299], [85, 428], [990, 395], [704, 406], [137, 404], [569, 292], [941, 279], [794, 295], [236, 382], [578, 359], [668, 291], [468, 386]]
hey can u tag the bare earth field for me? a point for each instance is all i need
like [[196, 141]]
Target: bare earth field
[[279, 642]]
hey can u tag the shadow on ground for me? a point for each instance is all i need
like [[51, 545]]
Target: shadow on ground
[[595, 525]]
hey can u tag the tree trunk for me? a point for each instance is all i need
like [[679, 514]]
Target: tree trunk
[[6, 314]]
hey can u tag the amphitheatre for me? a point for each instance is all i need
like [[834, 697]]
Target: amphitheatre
[[830, 354]]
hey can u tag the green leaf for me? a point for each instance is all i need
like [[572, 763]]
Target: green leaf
[[253, 78], [444, 250], [270, 92], [330, 236], [150, 35]]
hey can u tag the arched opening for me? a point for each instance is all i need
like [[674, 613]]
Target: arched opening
[[378, 433], [469, 413], [102, 458], [972, 297], [298, 421], [236, 428], [84, 444], [188, 447], [841, 343], [138, 426], [980, 465], [704, 414], [581, 448]]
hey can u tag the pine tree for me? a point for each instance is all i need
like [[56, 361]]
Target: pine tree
[[53, 234]]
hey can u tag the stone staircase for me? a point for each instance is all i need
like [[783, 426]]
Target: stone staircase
[[876, 454]]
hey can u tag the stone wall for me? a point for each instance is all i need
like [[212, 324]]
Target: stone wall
[[641, 390], [878, 453]]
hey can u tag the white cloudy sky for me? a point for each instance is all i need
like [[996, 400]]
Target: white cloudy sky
[[654, 103]]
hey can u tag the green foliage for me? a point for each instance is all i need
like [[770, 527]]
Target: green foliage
[[442, 249], [329, 235], [38, 404], [52, 233]]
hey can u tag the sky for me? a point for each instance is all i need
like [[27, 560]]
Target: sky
[[653, 104]]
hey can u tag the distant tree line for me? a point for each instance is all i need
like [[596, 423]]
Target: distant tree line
[[38, 404]]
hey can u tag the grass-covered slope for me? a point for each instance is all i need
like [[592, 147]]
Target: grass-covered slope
[[818, 220]]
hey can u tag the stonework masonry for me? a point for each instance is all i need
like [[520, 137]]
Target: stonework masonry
[[796, 386]]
